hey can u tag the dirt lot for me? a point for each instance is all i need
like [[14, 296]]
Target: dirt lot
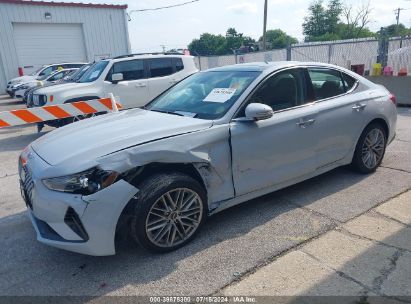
[[230, 245]]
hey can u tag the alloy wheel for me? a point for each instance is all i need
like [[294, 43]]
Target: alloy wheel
[[373, 148], [174, 217]]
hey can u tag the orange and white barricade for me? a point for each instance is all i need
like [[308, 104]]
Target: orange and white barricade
[[46, 113]]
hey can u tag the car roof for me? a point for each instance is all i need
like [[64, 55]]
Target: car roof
[[61, 63], [148, 56], [269, 66]]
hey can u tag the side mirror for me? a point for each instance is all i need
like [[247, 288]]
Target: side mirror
[[258, 111], [115, 78]]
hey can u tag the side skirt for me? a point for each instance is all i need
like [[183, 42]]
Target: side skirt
[[222, 205]]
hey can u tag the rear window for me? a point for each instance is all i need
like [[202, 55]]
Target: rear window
[[349, 81], [326, 83]]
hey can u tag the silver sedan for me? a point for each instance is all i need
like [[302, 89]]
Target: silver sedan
[[214, 140]]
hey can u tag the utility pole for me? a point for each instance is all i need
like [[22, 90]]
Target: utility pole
[[397, 17], [265, 27]]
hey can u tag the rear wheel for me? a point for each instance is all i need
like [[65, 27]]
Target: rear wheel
[[370, 149], [168, 211]]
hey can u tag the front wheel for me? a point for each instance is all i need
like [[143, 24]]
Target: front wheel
[[168, 211], [370, 149]]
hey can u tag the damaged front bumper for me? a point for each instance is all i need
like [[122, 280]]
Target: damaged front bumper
[[83, 224]]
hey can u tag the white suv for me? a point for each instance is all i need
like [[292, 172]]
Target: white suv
[[135, 79]]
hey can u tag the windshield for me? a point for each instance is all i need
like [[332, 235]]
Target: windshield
[[46, 76], [69, 75], [206, 95], [94, 72], [37, 71], [79, 73]]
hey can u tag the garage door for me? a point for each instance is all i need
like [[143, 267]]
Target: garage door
[[38, 44]]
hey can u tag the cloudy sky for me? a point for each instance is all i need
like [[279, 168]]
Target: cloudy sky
[[176, 27]]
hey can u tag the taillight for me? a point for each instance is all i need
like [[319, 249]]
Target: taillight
[[393, 98]]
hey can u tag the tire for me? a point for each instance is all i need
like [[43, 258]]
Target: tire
[[151, 218], [370, 149]]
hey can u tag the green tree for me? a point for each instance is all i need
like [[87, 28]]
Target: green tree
[[278, 39], [392, 30], [209, 44], [315, 23], [356, 21], [232, 32], [324, 23], [234, 40], [332, 16]]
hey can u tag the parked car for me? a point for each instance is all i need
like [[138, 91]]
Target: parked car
[[135, 79], [42, 71], [216, 139], [18, 90], [72, 77]]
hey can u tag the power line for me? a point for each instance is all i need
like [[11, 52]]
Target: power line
[[162, 7]]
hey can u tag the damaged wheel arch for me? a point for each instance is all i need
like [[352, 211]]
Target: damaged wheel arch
[[198, 171]]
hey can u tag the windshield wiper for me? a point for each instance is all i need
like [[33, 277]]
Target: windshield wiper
[[167, 112]]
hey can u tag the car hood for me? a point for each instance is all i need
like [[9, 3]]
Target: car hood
[[61, 87], [22, 79], [31, 82], [95, 137]]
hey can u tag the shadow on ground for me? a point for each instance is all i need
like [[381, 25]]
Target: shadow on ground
[[17, 143], [251, 232]]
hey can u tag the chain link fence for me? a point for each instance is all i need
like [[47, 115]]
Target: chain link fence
[[343, 53]]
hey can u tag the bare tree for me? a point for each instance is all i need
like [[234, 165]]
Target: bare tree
[[357, 18]]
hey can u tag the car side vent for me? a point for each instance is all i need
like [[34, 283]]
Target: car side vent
[[73, 221]]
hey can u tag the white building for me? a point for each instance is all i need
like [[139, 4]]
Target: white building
[[34, 33]]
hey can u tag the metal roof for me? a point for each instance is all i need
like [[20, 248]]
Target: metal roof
[[75, 4]]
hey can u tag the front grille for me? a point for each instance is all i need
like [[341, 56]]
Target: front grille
[[73, 221], [42, 100], [28, 186], [39, 100]]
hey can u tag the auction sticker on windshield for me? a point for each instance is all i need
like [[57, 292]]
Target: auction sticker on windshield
[[220, 95]]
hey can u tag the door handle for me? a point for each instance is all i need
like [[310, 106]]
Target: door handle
[[359, 107], [305, 123], [141, 85], [172, 81]]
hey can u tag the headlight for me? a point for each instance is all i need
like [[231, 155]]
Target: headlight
[[85, 183]]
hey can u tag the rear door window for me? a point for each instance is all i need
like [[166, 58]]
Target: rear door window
[[326, 83], [160, 67]]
